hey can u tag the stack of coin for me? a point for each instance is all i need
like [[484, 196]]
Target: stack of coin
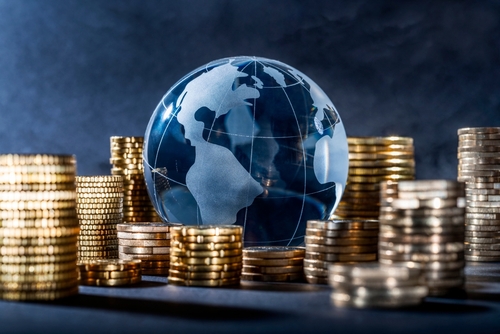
[[126, 158], [273, 264], [148, 242], [206, 255], [331, 241], [372, 160], [99, 206], [38, 227], [423, 226], [110, 272], [375, 285], [479, 168]]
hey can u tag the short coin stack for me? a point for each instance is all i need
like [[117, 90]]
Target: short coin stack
[[206, 255], [479, 168], [111, 272], [273, 264], [372, 285], [99, 207], [38, 227], [126, 158], [148, 242], [372, 160], [331, 241], [424, 226]]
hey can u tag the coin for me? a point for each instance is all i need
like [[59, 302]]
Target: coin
[[288, 277], [390, 254], [85, 275], [342, 233], [335, 257], [155, 271], [206, 283], [197, 275], [212, 246], [212, 267], [343, 224], [272, 270], [144, 242], [273, 252], [149, 236], [206, 253], [272, 262], [111, 281], [146, 227], [390, 140], [339, 241], [149, 257], [341, 249], [206, 260], [143, 250], [311, 279], [207, 230], [39, 295]]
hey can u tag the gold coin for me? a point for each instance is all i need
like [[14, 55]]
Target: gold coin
[[287, 277], [44, 232], [207, 230], [204, 239], [84, 275], [147, 257], [273, 262], [39, 295], [36, 159], [344, 224], [37, 259], [37, 214], [204, 268], [381, 171], [110, 282], [126, 139], [59, 276], [39, 223], [274, 252], [109, 265], [38, 286], [410, 163], [36, 205], [144, 243], [90, 243], [97, 234], [204, 254], [205, 261], [146, 227], [342, 233], [381, 155], [38, 196], [378, 178], [317, 272], [34, 268], [389, 140], [85, 227], [207, 283], [37, 250], [37, 241], [197, 275], [41, 187], [155, 271], [36, 178], [212, 246], [335, 257], [272, 270], [148, 236]]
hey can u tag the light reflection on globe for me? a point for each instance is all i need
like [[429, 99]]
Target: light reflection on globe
[[247, 141]]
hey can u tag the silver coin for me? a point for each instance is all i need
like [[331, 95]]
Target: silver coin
[[419, 257], [483, 228], [470, 246], [421, 221], [422, 230], [481, 258], [344, 300], [420, 239], [427, 185], [431, 194], [434, 265]]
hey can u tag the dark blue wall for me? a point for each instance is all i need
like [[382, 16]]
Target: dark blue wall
[[74, 73]]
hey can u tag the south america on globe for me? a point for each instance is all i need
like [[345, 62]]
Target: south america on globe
[[247, 141]]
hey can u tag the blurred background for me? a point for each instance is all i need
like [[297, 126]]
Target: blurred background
[[73, 73]]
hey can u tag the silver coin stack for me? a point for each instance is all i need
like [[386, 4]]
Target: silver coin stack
[[332, 241], [422, 225], [479, 168], [375, 285]]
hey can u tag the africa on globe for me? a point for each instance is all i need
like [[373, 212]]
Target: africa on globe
[[247, 141]]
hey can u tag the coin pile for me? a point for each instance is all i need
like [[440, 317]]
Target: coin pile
[[374, 285], [126, 158], [99, 206], [331, 241], [38, 227], [206, 255], [372, 160], [423, 226], [479, 168], [148, 242], [109, 272], [273, 264]]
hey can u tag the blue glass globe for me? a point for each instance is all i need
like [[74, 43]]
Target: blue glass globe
[[247, 141]]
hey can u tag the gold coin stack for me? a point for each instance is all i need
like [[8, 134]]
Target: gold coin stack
[[372, 160], [332, 241], [109, 272], [479, 168], [38, 227], [126, 158], [273, 264], [423, 226], [374, 285], [206, 255], [148, 242], [99, 207]]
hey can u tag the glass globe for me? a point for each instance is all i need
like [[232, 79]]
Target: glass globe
[[247, 141]]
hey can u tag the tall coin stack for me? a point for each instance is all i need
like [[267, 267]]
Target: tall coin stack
[[372, 160], [423, 226], [206, 255], [273, 264], [375, 285], [148, 242], [38, 227], [126, 158], [479, 168], [100, 208], [332, 241]]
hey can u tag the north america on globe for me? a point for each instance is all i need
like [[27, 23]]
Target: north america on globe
[[247, 141]]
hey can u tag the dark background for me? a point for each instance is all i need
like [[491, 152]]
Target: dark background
[[74, 73]]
